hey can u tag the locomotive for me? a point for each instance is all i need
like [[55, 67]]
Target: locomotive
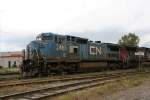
[[55, 53]]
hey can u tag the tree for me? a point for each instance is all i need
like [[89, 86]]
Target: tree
[[129, 40]]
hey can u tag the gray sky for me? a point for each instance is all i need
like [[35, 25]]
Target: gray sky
[[105, 20]]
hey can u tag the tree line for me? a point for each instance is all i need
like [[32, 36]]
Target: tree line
[[131, 39]]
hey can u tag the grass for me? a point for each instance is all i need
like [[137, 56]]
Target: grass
[[9, 70], [100, 91]]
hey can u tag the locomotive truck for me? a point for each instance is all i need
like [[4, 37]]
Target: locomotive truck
[[54, 53]]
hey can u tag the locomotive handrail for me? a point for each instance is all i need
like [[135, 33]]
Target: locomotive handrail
[[37, 55]]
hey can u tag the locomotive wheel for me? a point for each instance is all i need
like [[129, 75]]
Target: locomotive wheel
[[60, 69], [72, 68]]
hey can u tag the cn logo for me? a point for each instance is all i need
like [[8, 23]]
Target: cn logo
[[95, 50]]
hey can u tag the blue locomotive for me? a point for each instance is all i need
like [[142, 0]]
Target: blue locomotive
[[54, 53]]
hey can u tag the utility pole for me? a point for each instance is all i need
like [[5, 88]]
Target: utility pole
[[139, 63]]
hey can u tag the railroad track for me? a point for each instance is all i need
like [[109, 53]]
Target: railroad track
[[9, 73], [9, 76], [49, 80], [63, 87]]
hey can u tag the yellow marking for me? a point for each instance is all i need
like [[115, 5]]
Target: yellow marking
[[60, 47]]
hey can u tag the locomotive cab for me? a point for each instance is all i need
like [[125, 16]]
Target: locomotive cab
[[34, 56], [45, 37]]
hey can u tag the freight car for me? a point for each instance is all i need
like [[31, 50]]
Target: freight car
[[54, 53]]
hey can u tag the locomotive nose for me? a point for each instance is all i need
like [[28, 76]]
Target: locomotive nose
[[32, 49]]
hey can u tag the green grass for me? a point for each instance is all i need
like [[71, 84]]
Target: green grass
[[122, 84], [9, 70]]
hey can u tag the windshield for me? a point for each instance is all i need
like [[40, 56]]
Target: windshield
[[38, 38], [44, 38]]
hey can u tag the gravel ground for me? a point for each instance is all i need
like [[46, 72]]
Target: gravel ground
[[141, 92]]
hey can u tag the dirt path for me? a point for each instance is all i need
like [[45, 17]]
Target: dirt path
[[141, 92]]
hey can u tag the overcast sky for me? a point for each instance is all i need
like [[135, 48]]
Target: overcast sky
[[104, 20]]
